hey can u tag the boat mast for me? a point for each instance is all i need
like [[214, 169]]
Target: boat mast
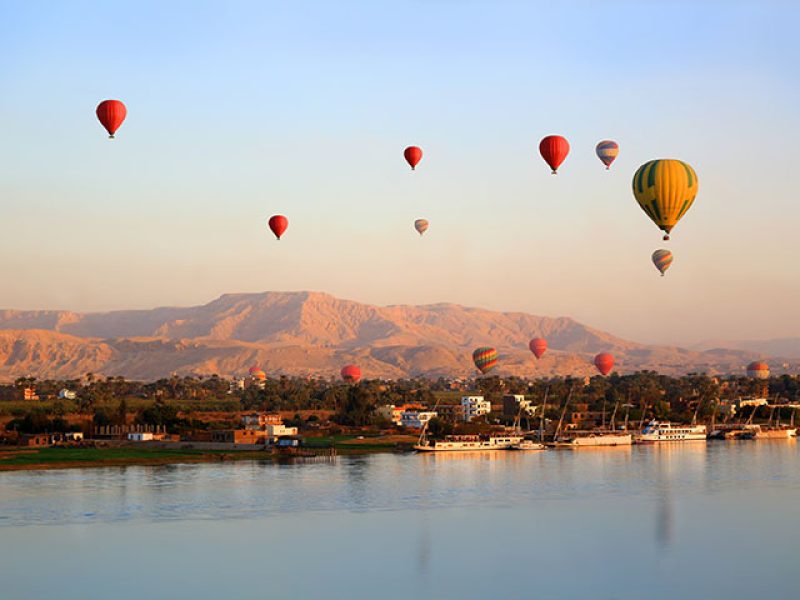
[[563, 412], [541, 420]]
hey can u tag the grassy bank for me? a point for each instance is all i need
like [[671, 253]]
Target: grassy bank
[[64, 458], [18, 459]]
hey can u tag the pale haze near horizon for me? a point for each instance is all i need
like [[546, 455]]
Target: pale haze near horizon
[[241, 111]]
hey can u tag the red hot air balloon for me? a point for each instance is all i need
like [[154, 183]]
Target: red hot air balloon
[[111, 114], [413, 155], [554, 150], [351, 373], [604, 363], [538, 346], [278, 225]]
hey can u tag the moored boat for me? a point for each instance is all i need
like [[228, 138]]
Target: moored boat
[[664, 431], [528, 445], [470, 443], [597, 439]]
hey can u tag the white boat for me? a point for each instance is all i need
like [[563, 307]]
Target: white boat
[[598, 439], [664, 431], [470, 443], [528, 445]]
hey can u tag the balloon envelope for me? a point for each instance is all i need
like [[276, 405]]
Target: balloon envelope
[[554, 150], [413, 154], [758, 370], [604, 363], [351, 373], [111, 114], [665, 189], [421, 225], [538, 346], [278, 225], [607, 152], [662, 259], [485, 358]]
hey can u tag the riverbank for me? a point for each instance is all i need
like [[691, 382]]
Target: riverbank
[[23, 458]]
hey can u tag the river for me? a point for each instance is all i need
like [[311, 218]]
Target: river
[[716, 520]]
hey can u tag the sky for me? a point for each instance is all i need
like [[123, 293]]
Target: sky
[[241, 110]]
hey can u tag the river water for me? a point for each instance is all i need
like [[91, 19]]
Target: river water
[[716, 520]]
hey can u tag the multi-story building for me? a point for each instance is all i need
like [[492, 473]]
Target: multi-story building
[[517, 404], [475, 406], [261, 420], [394, 414], [416, 419], [453, 413]]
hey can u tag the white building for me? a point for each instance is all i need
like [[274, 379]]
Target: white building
[[66, 394], [475, 406], [752, 402], [416, 419], [276, 431], [140, 436]]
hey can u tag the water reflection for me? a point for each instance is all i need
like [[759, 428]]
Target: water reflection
[[562, 523]]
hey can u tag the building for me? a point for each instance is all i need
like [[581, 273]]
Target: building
[[140, 436], [416, 419], [752, 402], [475, 406], [517, 404], [261, 420], [35, 439], [29, 393], [238, 436], [452, 413], [394, 414], [273, 432], [66, 394]]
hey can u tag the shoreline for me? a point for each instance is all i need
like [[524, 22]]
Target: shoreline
[[14, 459]]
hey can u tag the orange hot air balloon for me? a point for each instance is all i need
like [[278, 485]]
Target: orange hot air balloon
[[538, 346], [604, 363], [111, 114], [351, 373], [554, 150], [413, 154], [278, 225]]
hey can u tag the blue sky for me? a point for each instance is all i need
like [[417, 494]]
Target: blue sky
[[242, 110]]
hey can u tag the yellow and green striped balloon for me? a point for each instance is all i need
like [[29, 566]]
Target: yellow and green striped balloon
[[665, 189]]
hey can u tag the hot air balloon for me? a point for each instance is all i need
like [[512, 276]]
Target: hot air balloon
[[758, 370], [607, 151], [604, 363], [256, 373], [554, 150], [665, 189], [538, 346], [351, 373], [662, 259], [278, 225], [421, 225], [111, 114], [485, 359], [413, 155]]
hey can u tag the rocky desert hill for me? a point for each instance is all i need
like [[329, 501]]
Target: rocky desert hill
[[305, 333]]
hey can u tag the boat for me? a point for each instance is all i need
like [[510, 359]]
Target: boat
[[664, 431], [597, 439], [470, 443], [775, 433], [528, 445]]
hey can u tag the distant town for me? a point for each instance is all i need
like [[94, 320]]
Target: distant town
[[205, 418]]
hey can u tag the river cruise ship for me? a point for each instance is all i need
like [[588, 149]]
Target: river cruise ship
[[663, 431], [467, 443]]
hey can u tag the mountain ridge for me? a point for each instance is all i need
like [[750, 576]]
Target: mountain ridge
[[314, 333]]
